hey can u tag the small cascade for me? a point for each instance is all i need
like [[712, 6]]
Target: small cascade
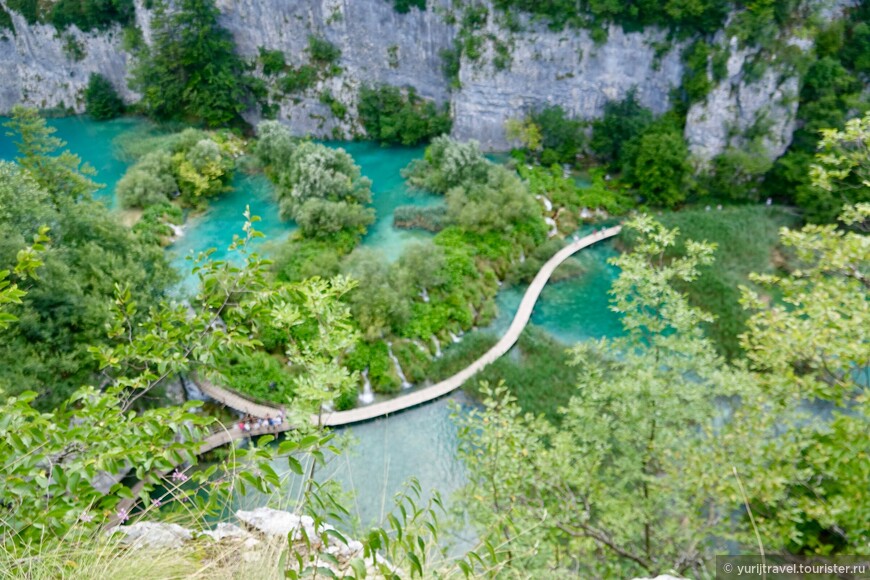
[[193, 392], [421, 346], [454, 338], [405, 383], [552, 223], [548, 205], [424, 295], [523, 253], [177, 231], [367, 396], [437, 346], [584, 214]]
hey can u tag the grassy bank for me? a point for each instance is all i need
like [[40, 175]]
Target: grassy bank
[[747, 239]]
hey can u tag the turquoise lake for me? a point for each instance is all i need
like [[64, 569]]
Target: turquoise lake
[[420, 442]]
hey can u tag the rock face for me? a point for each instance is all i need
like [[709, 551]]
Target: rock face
[[154, 535], [378, 45], [43, 67], [569, 70], [736, 106]]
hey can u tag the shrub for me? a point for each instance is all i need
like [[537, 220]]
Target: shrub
[[446, 164], [101, 99], [561, 137], [660, 165], [622, 122], [404, 6], [430, 218], [322, 52], [391, 115], [149, 182], [272, 61], [319, 218], [299, 79]]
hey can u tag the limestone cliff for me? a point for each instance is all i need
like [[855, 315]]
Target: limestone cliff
[[379, 45]]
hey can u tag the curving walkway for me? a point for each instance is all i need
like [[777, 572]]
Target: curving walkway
[[243, 404], [240, 403]]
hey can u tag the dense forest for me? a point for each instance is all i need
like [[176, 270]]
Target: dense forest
[[728, 414]]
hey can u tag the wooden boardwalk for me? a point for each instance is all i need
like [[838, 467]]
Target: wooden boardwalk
[[238, 401]]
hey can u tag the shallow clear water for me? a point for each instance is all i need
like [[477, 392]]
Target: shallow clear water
[[574, 309]]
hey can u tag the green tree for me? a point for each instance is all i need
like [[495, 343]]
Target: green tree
[[841, 174], [192, 72], [621, 123], [393, 115], [101, 99], [562, 138], [660, 166], [60, 174]]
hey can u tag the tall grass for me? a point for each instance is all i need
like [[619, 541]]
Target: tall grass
[[747, 238]]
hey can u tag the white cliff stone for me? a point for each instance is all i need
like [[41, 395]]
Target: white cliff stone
[[379, 45], [155, 535]]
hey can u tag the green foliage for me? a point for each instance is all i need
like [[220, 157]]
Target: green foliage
[[320, 187], [67, 307], [192, 165], [451, 62], [500, 204], [696, 81], [149, 182], [338, 109], [432, 218], [736, 174], [831, 93], [659, 164], [192, 72], [622, 122], [404, 6], [746, 241], [101, 99], [841, 174], [377, 304], [322, 52], [153, 226], [272, 61], [60, 173], [87, 15], [687, 16], [447, 164], [299, 79], [373, 359], [257, 374], [562, 137], [393, 115]]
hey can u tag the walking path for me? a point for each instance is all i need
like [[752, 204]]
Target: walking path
[[246, 406]]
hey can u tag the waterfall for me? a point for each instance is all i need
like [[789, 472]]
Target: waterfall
[[523, 253], [552, 223], [405, 383], [177, 231], [437, 346], [367, 396], [424, 295], [421, 346], [455, 338], [548, 205], [193, 391]]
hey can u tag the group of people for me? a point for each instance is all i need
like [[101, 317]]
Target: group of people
[[249, 423]]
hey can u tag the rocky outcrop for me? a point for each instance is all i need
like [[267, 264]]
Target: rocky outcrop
[[154, 535], [379, 45], [264, 529], [738, 106], [569, 70], [46, 68]]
